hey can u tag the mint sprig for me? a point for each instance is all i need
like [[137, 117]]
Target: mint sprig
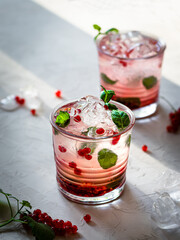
[[120, 118], [39, 230], [98, 28], [106, 95], [63, 119]]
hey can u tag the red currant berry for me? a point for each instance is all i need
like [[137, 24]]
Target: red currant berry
[[62, 149], [100, 131], [88, 157], [68, 229], [169, 129], [48, 220], [68, 224], [87, 150], [17, 98], [37, 212], [87, 218], [123, 63], [58, 93], [77, 171], [74, 229], [72, 164], [21, 101], [144, 148], [106, 107], [79, 110], [81, 152], [33, 112], [77, 118]]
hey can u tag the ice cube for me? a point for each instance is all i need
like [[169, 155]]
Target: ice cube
[[94, 113], [165, 212], [32, 98], [9, 103]]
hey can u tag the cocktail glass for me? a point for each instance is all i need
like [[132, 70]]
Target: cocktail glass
[[91, 169], [130, 64]]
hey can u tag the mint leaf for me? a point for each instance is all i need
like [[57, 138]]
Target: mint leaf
[[63, 119], [130, 102], [97, 27], [128, 141], [149, 82], [106, 95], [111, 106], [40, 230], [107, 158], [120, 118], [26, 204], [90, 129], [106, 79], [112, 30]]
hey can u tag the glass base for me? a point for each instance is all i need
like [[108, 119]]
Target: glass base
[[108, 197], [145, 111]]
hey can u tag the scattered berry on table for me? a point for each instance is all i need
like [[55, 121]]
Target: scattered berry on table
[[33, 112], [19, 100], [58, 93], [145, 148], [87, 218]]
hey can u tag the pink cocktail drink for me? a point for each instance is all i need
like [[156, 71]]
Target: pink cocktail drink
[[91, 153], [130, 64]]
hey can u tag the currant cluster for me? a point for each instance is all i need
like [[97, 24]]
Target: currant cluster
[[175, 121], [59, 227]]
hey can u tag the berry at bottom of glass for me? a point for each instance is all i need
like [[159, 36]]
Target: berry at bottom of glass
[[91, 153], [130, 64]]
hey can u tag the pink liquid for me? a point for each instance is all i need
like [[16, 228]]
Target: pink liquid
[[128, 61]]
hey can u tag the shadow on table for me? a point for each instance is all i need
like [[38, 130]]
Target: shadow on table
[[163, 146], [132, 209]]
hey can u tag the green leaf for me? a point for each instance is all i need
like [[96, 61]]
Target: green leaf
[[112, 30], [63, 119], [40, 230], [90, 129], [111, 106], [107, 158], [128, 140], [132, 103], [106, 79], [120, 118], [26, 204], [106, 95], [149, 82], [97, 27]]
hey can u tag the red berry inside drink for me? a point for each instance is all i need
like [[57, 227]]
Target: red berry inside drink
[[130, 64], [91, 154]]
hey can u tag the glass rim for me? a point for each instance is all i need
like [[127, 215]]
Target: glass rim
[[162, 47], [63, 131]]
